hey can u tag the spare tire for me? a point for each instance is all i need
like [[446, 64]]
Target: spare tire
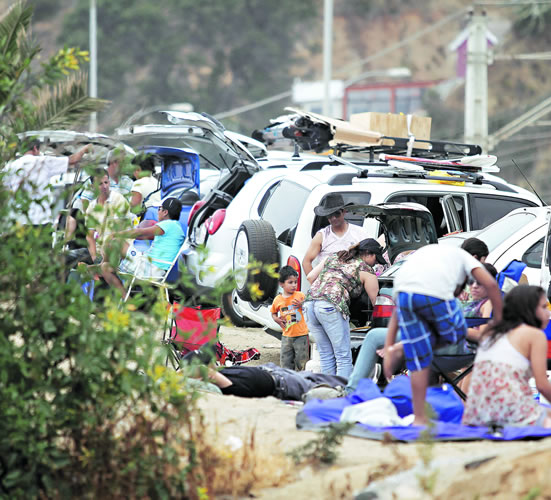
[[255, 242]]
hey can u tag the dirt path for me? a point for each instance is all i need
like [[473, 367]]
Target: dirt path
[[515, 469]]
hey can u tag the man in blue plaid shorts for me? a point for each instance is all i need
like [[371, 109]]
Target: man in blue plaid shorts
[[428, 313]]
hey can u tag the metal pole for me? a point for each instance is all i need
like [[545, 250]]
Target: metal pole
[[476, 81], [327, 55], [93, 61]]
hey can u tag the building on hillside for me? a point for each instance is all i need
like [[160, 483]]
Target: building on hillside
[[347, 99]]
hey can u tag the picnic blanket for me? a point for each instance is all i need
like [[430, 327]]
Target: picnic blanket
[[446, 404]]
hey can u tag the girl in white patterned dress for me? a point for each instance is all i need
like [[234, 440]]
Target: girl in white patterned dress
[[510, 353]]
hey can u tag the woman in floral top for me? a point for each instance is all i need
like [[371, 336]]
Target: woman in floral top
[[326, 308], [511, 352]]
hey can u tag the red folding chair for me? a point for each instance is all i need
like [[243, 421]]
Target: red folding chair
[[191, 327]]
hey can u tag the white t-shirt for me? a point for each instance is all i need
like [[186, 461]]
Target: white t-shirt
[[33, 174], [435, 270], [111, 217], [331, 243], [145, 186]]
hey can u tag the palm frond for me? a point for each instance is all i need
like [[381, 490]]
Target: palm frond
[[13, 25], [17, 50], [65, 105]]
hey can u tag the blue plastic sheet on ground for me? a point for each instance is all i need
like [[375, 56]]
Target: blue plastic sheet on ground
[[446, 404]]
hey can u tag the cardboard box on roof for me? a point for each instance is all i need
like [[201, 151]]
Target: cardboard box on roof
[[393, 125]]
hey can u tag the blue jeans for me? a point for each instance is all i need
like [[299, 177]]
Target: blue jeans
[[367, 357], [332, 333]]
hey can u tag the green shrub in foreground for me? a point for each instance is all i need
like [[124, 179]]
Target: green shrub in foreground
[[87, 407]]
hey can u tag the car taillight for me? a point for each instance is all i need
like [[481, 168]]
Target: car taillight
[[215, 220], [384, 307], [295, 264], [196, 206]]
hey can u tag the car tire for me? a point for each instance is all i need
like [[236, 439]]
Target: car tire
[[232, 312], [255, 241]]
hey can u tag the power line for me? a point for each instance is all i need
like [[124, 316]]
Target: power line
[[254, 105], [535, 56], [528, 147], [527, 137], [405, 41]]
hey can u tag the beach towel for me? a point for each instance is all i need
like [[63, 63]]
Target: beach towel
[[446, 426]]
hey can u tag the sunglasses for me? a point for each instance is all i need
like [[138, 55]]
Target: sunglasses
[[335, 214]]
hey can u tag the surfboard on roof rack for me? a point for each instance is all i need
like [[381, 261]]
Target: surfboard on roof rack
[[474, 163], [432, 170], [457, 169]]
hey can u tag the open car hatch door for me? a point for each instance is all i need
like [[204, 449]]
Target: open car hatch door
[[406, 226]]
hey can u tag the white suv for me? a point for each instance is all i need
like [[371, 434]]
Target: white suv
[[279, 205], [283, 223], [213, 224]]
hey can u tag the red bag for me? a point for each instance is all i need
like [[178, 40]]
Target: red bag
[[195, 326]]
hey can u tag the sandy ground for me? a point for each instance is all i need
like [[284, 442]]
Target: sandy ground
[[514, 469]]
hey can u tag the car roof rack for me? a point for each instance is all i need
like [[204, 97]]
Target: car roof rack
[[346, 179], [433, 150], [395, 173]]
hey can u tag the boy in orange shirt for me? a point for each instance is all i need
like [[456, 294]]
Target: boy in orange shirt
[[287, 313]]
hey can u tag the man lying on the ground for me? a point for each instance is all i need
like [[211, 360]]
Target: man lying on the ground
[[268, 380]]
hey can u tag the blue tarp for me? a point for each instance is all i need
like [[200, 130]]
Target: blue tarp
[[445, 402]]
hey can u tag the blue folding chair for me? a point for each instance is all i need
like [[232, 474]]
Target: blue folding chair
[[179, 179]]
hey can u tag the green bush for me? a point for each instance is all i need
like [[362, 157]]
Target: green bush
[[88, 409]]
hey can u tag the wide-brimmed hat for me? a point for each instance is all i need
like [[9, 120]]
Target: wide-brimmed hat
[[329, 205], [371, 245]]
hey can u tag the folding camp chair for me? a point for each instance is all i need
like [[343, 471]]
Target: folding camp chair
[[169, 277], [164, 282], [452, 358], [191, 327]]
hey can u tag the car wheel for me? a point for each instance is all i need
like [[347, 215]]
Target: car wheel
[[255, 242], [233, 313]]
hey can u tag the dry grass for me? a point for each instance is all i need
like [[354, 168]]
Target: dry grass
[[235, 467]]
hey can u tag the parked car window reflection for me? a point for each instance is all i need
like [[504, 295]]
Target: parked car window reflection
[[284, 207], [500, 230], [266, 197], [532, 256]]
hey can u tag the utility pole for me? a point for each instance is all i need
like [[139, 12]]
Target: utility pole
[[93, 61], [476, 81], [327, 55]]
